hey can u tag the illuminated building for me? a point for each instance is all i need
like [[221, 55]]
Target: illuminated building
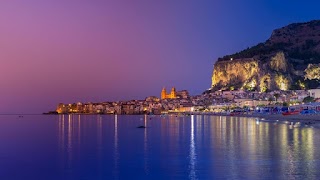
[[184, 94], [171, 95], [61, 108]]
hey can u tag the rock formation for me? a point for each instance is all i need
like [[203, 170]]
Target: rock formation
[[278, 63]]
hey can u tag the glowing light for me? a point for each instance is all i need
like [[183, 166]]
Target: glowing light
[[282, 82], [312, 71], [264, 83], [253, 83], [301, 85], [250, 85]]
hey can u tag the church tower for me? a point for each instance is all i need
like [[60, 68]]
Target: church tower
[[163, 93], [173, 93]]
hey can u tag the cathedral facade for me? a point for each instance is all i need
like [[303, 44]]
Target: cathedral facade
[[171, 95]]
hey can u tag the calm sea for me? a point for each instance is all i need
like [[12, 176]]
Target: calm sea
[[61, 147]]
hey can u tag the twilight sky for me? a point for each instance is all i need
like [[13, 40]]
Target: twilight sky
[[68, 51]]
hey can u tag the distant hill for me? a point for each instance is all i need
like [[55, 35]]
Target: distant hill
[[282, 62]]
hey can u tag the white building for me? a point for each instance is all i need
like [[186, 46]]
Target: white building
[[315, 93]]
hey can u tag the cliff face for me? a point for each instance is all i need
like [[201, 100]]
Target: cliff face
[[278, 63], [235, 72]]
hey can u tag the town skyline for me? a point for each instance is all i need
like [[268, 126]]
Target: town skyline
[[211, 102], [105, 51]]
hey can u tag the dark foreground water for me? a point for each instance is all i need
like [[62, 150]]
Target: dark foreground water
[[190, 147]]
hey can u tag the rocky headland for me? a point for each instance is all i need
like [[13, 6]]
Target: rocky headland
[[289, 59]]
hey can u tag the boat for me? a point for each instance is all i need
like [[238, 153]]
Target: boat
[[236, 112], [291, 113], [297, 124]]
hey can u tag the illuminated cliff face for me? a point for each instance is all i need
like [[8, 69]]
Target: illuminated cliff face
[[290, 58], [278, 62], [312, 71], [282, 82], [239, 71], [265, 82], [252, 74]]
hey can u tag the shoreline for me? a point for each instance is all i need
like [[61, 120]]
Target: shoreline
[[280, 117]]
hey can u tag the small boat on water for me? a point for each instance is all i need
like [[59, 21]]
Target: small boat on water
[[291, 113], [236, 112], [297, 124]]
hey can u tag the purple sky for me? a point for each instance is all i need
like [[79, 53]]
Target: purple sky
[[95, 50]]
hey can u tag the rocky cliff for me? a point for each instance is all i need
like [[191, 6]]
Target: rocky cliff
[[279, 63]]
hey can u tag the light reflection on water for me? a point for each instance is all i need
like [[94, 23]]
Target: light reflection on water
[[170, 147], [116, 152], [145, 146], [69, 141], [192, 156]]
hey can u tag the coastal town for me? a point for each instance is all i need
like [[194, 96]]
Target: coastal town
[[208, 102], [275, 74]]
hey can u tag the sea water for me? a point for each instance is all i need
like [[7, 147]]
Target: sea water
[[169, 147]]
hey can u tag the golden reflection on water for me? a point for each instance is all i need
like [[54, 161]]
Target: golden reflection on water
[[99, 146], [61, 132], [301, 150], [145, 146], [171, 127], [69, 144], [243, 140], [116, 153], [65, 138], [79, 133], [247, 148], [61, 137]]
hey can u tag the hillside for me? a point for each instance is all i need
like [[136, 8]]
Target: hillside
[[281, 62]]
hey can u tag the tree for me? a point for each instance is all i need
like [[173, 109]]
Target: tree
[[276, 96]]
